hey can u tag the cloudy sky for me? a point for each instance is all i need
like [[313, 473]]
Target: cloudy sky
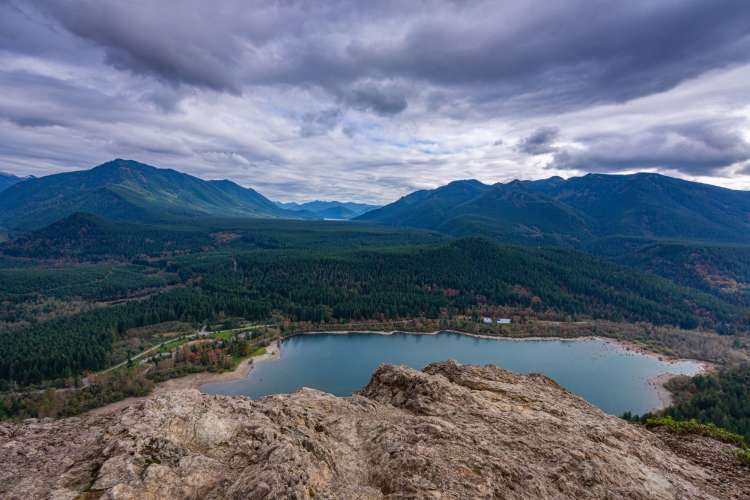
[[368, 101]]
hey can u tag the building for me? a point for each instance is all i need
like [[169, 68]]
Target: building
[[503, 321], [486, 320]]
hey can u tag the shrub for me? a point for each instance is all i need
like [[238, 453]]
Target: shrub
[[695, 427]]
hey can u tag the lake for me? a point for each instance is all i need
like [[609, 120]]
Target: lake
[[602, 372]]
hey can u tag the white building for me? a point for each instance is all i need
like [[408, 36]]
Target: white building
[[504, 321], [486, 320]]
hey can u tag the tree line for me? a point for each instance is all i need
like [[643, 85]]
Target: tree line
[[428, 282]]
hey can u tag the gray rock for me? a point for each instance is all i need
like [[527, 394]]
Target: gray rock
[[449, 431]]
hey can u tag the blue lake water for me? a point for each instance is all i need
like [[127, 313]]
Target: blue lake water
[[604, 373]]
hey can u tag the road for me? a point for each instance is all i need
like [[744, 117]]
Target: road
[[203, 332], [85, 382], [200, 333]]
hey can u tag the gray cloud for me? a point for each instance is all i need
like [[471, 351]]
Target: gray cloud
[[540, 141], [698, 148], [31, 121], [177, 45], [368, 100], [554, 56], [382, 99]]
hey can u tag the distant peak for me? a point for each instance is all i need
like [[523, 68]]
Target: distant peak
[[464, 184], [121, 163], [470, 182], [649, 175], [636, 174], [14, 176]]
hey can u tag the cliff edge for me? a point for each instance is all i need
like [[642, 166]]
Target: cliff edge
[[449, 431]]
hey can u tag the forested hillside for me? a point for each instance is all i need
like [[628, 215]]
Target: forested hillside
[[85, 237], [720, 399], [723, 270], [129, 191], [577, 211]]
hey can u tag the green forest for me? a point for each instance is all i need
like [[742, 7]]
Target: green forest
[[85, 294], [331, 274], [721, 399]]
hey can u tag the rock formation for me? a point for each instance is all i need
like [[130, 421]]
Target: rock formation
[[449, 431]]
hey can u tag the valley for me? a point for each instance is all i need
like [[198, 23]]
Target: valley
[[98, 311], [374, 250]]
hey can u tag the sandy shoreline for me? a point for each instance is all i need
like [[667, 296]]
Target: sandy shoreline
[[659, 384], [242, 371], [194, 381]]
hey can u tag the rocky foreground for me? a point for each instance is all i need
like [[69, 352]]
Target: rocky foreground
[[449, 431]]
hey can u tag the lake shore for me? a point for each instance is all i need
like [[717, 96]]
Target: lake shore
[[244, 368], [658, 382], [241, 371], [194, 381], [625, 344]]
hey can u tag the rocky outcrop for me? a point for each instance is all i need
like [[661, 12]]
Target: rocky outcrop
[[449, 431]]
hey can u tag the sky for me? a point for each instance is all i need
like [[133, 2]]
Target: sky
[[368, 101]]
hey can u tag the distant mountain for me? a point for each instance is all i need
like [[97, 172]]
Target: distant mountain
[[7, 180], [578, 210], [130, 191], [330, 209]]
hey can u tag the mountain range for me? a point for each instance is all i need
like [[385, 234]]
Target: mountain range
[[577, 211], [590, 212], [330, 209], [130, 191]]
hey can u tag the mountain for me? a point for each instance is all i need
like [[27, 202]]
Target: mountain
[[130, 191], [330, 209], [7, 180], [511, 213], [578, 210], [449, 431], [655, 206]]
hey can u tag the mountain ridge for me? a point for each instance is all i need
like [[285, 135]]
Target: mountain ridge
[[577, 210], [130, 191], [7, 180], [329, 209]]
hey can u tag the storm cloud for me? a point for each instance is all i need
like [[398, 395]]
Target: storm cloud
[[377, 98], [573, 52], [699, 148]]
